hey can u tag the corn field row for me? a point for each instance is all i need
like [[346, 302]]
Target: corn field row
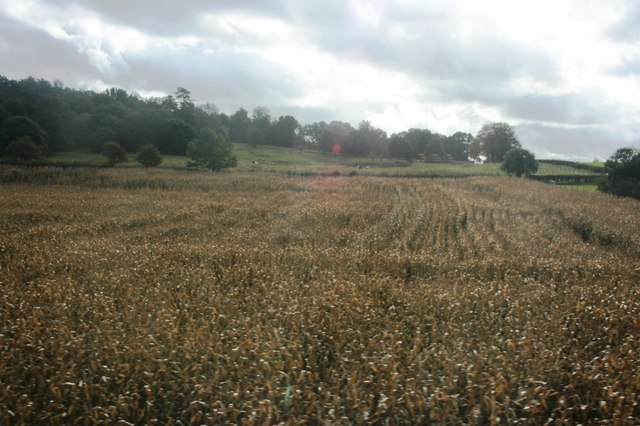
[[194, 298]]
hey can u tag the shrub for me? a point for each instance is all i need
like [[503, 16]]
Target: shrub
[[19, 126], [149, 156], [24, 148], [518, 161], [211, 150], [114, 152]]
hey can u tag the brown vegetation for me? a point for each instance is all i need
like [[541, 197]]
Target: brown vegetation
[[165, 296]]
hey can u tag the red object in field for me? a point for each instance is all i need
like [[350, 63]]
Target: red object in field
[[336, 149]]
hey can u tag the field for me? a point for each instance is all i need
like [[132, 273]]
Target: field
[[266, 158], [166, 296]]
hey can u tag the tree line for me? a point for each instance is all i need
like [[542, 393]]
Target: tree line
[[53, 118]]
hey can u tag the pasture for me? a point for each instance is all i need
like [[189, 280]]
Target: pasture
[[165, 296], [273, 159]]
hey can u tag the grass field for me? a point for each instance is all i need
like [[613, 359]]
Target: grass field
[[158, 296], [295, 161], [84, 158], [268, 158], [586, 187]]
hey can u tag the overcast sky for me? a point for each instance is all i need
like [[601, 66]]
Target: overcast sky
[[565, 74]]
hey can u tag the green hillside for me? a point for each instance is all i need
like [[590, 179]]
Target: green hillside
[[267, 158]]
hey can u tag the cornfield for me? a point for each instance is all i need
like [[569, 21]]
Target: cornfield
[[168, 297]]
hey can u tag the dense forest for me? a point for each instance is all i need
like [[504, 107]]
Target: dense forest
[[56, 118]]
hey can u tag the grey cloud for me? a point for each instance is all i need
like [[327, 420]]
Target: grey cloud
[[167, 17], [629, 67], [563, 109], [572, 143], [215, 71], [229, 79], [627, 29], [31, 52], [432, 52], [309, 114]]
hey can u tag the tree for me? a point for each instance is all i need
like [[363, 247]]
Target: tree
[[239, 123], [114, 152], [374, 138], [183, 97], [493, 141], [400, 147], [623, 173], [16, 126], [169, 104], [261, 120], [335, 133], [157, 127], [624, 162], [519, 161], [457, 145], [207, 115], [137, 129], [99, 137], [211, 149], [357, 145], [40, 102], [284, 132], [417, 140], [185, 104], [24, 148], [434, 151], [173, 136], [77, 128], [255, 137], [149, 156], [311, 133], [418, 144], [367, 140]]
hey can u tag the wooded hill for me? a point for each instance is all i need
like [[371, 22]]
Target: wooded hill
[[57, 118]]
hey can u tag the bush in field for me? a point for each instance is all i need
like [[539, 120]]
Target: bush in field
[[24, 148], [623, 173], [114, 152], [519, 161], [211, 149], [149, 156]]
